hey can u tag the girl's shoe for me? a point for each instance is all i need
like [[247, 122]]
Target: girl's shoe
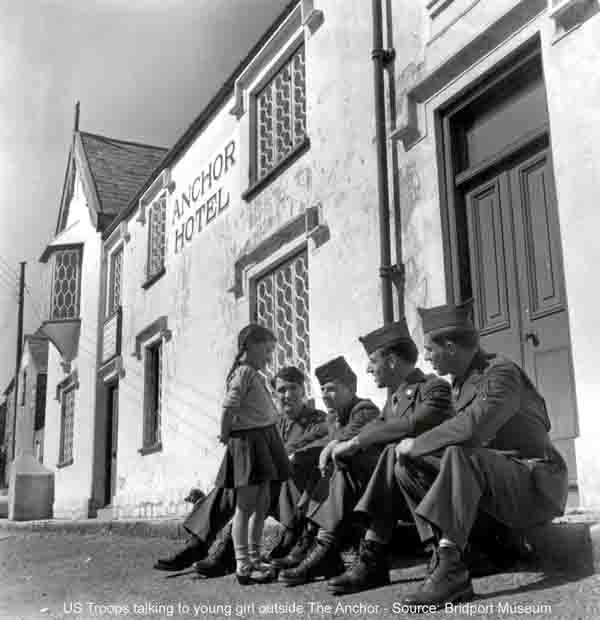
[[255, 574]]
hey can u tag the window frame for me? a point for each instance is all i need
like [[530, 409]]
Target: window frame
[[257, 183], [63, 461], [67, 248], [153, 276], [40, 406], [110, 308], [279, 259], [153, 357]]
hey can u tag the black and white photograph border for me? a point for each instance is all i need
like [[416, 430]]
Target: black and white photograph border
[[297, 305]]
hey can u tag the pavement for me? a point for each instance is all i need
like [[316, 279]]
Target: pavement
[[61, 573]]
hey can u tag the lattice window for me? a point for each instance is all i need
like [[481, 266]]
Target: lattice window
[[282, 306], [156, 237], [114, 283], [40, 402], [153, 395], [281, 115], [66, 284], [66, 426]]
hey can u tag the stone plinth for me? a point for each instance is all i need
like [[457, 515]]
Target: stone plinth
[[30, 491]]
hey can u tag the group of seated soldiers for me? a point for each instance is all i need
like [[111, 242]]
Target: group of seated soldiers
[[446, 458]]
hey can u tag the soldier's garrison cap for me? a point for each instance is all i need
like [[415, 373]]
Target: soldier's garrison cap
[[448, 318], [392, 334], [336, 369]]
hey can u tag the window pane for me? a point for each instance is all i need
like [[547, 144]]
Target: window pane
[[116, 268], [281, 114], [65, 284], [40, 401], [153, 401], [156, 239], [66, 431], [282, 306]]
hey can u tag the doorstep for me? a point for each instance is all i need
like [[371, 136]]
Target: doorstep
[[569, 543]]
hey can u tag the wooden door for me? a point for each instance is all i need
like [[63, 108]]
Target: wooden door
[[518, 284], [111, 443]]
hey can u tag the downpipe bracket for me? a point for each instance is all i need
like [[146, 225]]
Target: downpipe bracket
[[387, 56]]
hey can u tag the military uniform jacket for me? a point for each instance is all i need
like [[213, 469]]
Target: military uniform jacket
[[299, 432], [419, 404], [497, 407], [349, 421]]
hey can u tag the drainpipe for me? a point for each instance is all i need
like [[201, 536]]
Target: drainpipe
[[400, 279], [380, 58]]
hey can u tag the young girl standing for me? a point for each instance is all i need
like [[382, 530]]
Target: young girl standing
[[255, 453]]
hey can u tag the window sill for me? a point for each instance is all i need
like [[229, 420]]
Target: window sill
[[64, 464], [259, 185], [152, 279], [157, 447]]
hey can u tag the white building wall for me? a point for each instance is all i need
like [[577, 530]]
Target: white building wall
[[73, 483], [572, 88], [339, 173], [573, 85]]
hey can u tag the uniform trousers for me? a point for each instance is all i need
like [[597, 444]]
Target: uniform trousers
[[334, 498], [445, 493]]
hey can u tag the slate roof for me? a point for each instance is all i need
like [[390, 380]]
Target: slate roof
[[119, 168]]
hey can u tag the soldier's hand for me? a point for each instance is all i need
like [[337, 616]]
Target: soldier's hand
[[291, 456], [325, 457], [404, 447], [343, 449]]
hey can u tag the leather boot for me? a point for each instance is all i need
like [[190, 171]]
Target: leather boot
[[299, 551], [286, 543], [322, 561], [221, 559], [370, 570], [448, 581], [195, 550]]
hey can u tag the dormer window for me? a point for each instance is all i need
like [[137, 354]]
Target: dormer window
[[66, 284]]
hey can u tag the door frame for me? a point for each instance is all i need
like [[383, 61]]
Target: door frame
[[453, 178], [455, 237], [109, 474]]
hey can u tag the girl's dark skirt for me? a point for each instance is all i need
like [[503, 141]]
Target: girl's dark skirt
[[253, 456]]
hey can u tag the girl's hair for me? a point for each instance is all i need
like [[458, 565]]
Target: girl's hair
[[253, 333]]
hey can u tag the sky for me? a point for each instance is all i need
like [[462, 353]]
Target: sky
[[142, 71]]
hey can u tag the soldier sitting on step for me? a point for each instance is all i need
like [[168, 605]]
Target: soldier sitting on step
[[418, 403], [300, 426], [494, 456]]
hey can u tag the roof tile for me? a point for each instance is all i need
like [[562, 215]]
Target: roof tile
[[119, 168]]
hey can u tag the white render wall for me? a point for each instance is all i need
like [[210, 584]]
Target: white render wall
[[73, 483], [339, 172], [573, 91], [573, 86]]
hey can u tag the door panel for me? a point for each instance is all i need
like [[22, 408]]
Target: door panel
[[492, 266], [538, 219], [518, 285], [547, 347], [110, 478]]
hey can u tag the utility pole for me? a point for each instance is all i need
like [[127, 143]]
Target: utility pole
[[18, 358]]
